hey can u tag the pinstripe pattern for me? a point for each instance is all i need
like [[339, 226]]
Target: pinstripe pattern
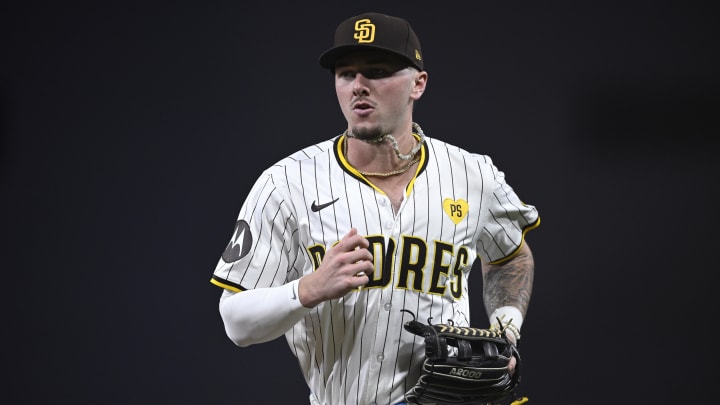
[[353, 350]]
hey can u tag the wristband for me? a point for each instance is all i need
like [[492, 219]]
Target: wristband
[[510, 319]]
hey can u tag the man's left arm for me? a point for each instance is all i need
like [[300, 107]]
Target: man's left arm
[[507, 287]]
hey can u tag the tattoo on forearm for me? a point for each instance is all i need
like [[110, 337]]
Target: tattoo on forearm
[[509, 284]]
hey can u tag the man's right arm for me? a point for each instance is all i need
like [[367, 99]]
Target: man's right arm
[[261, 315]]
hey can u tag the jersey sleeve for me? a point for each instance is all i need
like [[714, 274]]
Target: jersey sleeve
[[505, 216], [261, 251]]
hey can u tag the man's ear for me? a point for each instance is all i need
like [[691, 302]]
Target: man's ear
[[419, 85]]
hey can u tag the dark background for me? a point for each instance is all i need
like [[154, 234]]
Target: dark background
[[131, 132]]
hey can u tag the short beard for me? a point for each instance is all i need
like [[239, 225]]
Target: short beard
[[375, 135], [369, 135]]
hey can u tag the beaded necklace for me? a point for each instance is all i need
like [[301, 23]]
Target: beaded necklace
[[412, 155]]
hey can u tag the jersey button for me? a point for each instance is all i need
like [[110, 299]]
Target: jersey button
[[382, 201], [387, 306], [388, 224], [380, 357]]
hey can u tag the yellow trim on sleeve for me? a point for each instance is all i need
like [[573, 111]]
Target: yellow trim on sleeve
[[522, 242], [225, 286]]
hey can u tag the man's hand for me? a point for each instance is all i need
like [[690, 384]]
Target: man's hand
[[346, 266]]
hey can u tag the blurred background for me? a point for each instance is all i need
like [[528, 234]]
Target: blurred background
[[130, 133]]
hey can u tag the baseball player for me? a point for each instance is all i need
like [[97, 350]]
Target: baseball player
[[337, 242]]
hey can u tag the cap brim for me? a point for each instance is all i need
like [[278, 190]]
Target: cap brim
[[328, 59]]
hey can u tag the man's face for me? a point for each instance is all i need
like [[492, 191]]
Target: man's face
[[376, 91]]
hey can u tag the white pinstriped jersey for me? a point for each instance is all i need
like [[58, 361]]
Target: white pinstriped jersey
[[354, 350]]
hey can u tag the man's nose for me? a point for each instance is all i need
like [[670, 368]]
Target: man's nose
[[360, 84]]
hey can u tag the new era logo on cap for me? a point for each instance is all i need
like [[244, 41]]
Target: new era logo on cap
[[374, 31]]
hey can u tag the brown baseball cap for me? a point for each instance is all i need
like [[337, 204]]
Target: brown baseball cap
[[374, 31]]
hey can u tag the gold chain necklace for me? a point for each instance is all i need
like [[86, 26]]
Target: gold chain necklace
[[387, 174]]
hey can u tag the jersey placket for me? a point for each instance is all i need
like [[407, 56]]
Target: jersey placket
[[390, 228]]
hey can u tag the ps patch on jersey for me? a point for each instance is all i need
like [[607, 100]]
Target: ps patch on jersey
[[240, 244], [455, 209]]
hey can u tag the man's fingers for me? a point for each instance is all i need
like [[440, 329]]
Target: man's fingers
[[352, 241], [511, 365], [352, 250], [359, 254]]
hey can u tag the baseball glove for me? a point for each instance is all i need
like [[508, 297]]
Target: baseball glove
[[464, 365]]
